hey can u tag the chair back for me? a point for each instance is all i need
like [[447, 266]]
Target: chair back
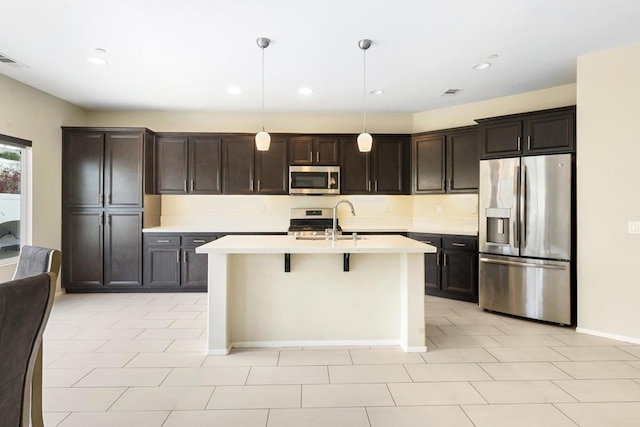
[[36, 260], [24, 309]]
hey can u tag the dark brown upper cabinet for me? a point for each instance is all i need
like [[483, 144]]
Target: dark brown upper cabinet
[[249, 171], [540, 132], [446, 161], [314, 150], [382, 171], [189, 164]]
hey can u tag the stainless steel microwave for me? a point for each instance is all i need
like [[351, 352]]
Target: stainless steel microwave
[[314, 179]]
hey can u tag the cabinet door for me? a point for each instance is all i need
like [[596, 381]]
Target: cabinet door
[[431, 272], [459, 274], [327, 151], [194, 269], [123, 249], [82, 257], [301, 150], [550, 133], [124, 169], [500, 139], [83, 166], [463, 163], [272, 168], [162, 267], [239, 165], [388, 168], [428, 164], [205, 165], [172, 165], [355, 173]]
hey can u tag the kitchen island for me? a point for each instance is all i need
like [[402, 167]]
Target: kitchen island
[[278, 291]]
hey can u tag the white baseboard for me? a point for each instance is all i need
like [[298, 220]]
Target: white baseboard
[[607, 335], [316, 343], [223, 352]]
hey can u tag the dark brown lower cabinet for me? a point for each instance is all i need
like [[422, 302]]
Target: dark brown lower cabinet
[[451, 272], [171, 261], [103, 250]]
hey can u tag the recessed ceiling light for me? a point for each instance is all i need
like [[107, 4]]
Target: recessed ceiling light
[[97, 57], [481, 66], [305, 91], [234, 90], [492, 56], [377, 92], [97, 61]]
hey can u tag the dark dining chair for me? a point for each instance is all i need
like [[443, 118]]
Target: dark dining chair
[[25, 305]]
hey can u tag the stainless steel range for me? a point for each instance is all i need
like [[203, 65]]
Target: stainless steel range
[[311, 222]]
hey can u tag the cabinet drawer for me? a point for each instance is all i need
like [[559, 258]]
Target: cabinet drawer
[[428, 239], [198, 240], [460, 243], [163, 240]]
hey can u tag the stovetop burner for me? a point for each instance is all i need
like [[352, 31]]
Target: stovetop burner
[[311, 221]]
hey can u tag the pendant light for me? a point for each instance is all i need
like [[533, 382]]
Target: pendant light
[[263, 139], [365, 140]]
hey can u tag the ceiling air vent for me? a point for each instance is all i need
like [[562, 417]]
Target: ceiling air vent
[[5, 60], [450, 92]]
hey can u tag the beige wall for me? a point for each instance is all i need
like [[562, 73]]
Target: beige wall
[[30, 114], [247, 122], [608, 197], [464, 115]]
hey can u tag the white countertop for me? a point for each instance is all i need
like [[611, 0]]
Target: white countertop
[[252, 244], [462, 231]]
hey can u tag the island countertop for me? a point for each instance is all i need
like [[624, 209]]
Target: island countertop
[[256, 244]]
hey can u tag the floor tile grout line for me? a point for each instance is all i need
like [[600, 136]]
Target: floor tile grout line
[[554, 404], [395, 404]]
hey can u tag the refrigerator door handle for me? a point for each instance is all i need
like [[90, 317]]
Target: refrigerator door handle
[[523, 208], [516, 221], [523, 264]]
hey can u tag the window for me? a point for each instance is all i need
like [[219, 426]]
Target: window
[[14, 156]]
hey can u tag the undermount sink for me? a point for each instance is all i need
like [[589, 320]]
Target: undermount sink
[[328, 237]]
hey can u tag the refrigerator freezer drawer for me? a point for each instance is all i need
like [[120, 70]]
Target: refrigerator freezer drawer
[[526, 287]]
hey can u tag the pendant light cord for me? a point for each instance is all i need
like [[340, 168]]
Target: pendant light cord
[[364, 90], [262, 89]]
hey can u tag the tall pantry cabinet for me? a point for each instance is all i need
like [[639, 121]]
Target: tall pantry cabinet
[[107, 198]]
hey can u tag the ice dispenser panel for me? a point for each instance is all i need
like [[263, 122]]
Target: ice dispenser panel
[[498, 229]]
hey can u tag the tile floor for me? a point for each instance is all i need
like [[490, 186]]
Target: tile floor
[[138, 360]]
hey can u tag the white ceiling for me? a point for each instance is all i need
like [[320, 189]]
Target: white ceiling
[[184, 54]]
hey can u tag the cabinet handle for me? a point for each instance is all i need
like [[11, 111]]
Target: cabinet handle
[[368, 185], [184, 256], [251, 185], [445, 258], [108, 219], [518, 143], [178, 257], [110, 198], [438, 258], [101, 220], [460, 245], [376, 181], [198, 240], [185, 185], [163, 241], [192, 186], [529, 142], [428, 242], [317, 157], [310, 157], [258, 186], [449, 184], [101, 199]]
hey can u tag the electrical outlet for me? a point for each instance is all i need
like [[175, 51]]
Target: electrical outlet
[[634, 227], [438, 208]]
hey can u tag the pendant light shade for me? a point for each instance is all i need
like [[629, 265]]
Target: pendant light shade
[[263, 139], [365, 140]]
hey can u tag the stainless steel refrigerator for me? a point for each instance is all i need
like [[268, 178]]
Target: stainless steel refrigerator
[[525, 235]]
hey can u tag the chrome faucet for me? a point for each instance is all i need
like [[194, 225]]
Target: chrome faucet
[[334, 229]]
